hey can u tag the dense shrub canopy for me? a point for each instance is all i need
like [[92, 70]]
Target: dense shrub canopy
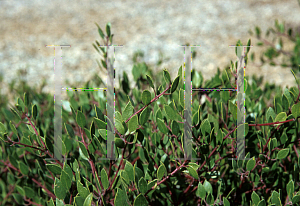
[[151, 168]]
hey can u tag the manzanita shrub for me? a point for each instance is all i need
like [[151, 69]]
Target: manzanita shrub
[[149, 135], [275, 47]]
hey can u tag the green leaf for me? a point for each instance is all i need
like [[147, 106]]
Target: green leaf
[[226, 202], [80, 119], [161, 172], [288, 95], [133, 123], [144, 116], [233, 110], [102, 133], [82, 190], [281, 117], [119, 126], [270, 113], [175, 128], [26, 99], [290, 188], [197, 80], [167, 77], [200, 191], [29, 192], [59, 189], [118, 116], [2, 128], [170, 112], [100, 124], [88, 200], [207, 186], [55, 169], [297, 81], [250, 164], [196, 118], [150, 81], [128, 111], [210, 199], [34, 111], [21, 104], [140, 201], [205, 127], [275, 198], [138, 174], [283, 153], [296, 110], [129, 169], [296, 199], [180, 72], [262, 203], [120, 199], [66, 180], [20, 190], [255, 198], [13, 128], [193, 172], [161, 125], [104, 64], [84, 150], [70, 131], [68, 170], [92, 129], [124, 176], [108, 25], [59, 202], [146, 97], [16, 113], [175, 84], [18, 198], [100, 31], [104, 179], [285, 102], [181, 97], [151, 184], [142, 186], [79, 200], [119, 142]]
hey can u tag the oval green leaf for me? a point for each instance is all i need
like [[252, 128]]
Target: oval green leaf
[[201, 191], [207, 186], [88, 200], [296, 110], [161, 125], [175, 84], [80, 119], [281, 117], [140, 201], [142, 186], [282, 153], [167, 76], [170, 112], [144, 116], [119, 126], [161, 172], [250, 164], [119, 142], [150, 81], [146, 97]]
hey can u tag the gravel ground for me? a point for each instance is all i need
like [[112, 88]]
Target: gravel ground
[[150, 26]]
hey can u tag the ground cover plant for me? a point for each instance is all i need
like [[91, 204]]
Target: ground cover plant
[[148, 140]]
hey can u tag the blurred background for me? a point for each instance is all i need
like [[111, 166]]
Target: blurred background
[[154, 27]]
